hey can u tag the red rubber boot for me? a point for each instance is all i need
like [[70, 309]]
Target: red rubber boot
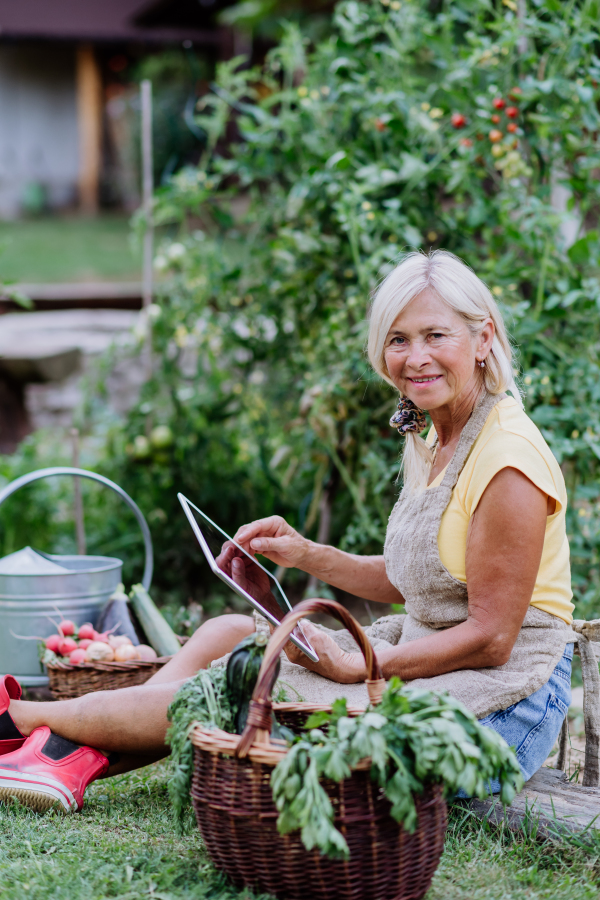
[[10, 736], [49, 770]]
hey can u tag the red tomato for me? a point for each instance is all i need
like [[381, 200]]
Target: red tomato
[[512, 127], [514, 93], [66, 646], [512, 112], [466, 142], [53, 642], [495, 135], [86, 632], [458, 120], [495, 119], [67, 627], [77, 656], [498, 103], [379, 125]]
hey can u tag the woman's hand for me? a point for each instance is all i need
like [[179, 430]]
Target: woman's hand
[[334, 663], [275, 539]]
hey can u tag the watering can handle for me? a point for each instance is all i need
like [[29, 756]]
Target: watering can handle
[[93, 476]]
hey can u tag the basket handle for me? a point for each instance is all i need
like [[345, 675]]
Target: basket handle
[[93, 476], [258, 724]]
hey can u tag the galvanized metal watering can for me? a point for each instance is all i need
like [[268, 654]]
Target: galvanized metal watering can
[[78, 586]]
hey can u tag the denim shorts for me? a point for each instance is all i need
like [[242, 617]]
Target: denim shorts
[[532, 725]]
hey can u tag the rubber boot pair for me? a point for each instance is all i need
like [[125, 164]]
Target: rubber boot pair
[[42, 770]]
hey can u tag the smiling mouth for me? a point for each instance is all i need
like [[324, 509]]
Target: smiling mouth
[[425, 380]]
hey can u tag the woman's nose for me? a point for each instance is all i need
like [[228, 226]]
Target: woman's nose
[[418, 354]]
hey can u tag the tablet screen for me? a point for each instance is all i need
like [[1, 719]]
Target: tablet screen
[[247, 574]]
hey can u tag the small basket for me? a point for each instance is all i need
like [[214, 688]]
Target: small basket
[[67, 681], [233, 803]]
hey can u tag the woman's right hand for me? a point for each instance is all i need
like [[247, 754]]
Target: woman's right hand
[[274, 538]]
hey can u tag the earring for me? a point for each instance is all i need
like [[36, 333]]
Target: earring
[[482, 363]]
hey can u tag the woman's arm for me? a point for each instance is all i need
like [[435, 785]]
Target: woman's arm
[[504, 550], [363, 576]]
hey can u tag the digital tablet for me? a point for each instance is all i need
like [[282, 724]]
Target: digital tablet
[[256, 585]]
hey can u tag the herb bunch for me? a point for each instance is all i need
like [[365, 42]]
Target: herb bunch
[[413, 738], [202, 700]]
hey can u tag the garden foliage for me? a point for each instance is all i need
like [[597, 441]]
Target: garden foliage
[[415, 124]]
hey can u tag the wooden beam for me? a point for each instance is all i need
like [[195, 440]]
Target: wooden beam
[[89, 117], [548, 807]]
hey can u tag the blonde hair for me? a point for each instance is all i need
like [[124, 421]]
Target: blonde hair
[[458, 286]]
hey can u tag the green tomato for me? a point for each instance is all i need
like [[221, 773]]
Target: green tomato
[[161, 437], [141, 447]]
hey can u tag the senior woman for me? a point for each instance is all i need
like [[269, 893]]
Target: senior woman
[[476, 550]]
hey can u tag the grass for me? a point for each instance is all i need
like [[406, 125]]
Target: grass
[[123, 845], [68, 249]]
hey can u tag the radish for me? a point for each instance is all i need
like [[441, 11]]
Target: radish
[[146, 652], [67, 628], [126, 652], [83, 645], [101, 636], [66, 646], [86, 632], [99, 652], [53, 642], [118, 640], [77, 656]]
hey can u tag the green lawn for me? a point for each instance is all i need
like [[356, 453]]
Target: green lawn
[[61, 249], [123, 845]]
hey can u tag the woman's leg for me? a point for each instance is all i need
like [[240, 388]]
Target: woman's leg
[[133, 720]]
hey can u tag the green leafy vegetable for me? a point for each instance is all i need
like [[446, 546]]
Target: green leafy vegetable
[[414, 738]]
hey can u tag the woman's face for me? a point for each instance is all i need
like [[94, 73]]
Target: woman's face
[[431, 355]]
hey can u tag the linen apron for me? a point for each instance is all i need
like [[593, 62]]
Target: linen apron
[[435, 600]]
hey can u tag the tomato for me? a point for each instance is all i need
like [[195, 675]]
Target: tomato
[[379, 125], [495, 135], [512, 127], [458, 120], [512, 112], [466, 142], [498, 103], [495, 119], [514, 93]]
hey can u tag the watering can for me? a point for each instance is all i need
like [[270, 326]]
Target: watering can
[[34, 585]]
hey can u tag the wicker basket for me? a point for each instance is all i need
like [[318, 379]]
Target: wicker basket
[[67, 681], [234, 807]]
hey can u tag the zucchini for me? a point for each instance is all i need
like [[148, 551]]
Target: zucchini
[[243, 667], [157, 629]]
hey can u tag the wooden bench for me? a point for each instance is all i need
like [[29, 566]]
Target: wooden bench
[[550, 805]]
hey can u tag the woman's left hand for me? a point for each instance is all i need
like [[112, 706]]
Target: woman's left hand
[[334, 663]]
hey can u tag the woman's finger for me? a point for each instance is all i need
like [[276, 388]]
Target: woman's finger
[[259, 526]]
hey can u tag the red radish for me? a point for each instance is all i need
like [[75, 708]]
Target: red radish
[[66, 646], [53, 642], [101, 636], [85, 643], [77, 656], [512, 112], [67, 628], [146, 652], [498, 103], [86, 632]]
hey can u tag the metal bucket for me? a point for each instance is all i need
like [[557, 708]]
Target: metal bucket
[[26, 600]]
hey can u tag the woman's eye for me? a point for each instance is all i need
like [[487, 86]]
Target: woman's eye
[[398, 341], [436, 335]]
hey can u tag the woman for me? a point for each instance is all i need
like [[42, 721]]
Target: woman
[[476, 550]]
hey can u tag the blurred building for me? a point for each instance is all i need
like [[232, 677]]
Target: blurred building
[[61, 122]]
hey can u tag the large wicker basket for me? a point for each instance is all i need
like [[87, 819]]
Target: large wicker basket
[[234, 807], [67, 681]]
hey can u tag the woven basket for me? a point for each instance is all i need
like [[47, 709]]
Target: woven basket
[[233, 802], [67, 681]]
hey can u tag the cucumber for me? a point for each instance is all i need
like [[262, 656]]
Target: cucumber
[[159, 632], [243, 667]]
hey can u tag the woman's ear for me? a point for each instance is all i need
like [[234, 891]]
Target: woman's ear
[[486, 337]]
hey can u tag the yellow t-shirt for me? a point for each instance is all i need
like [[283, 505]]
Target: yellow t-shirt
[[510, 439]]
